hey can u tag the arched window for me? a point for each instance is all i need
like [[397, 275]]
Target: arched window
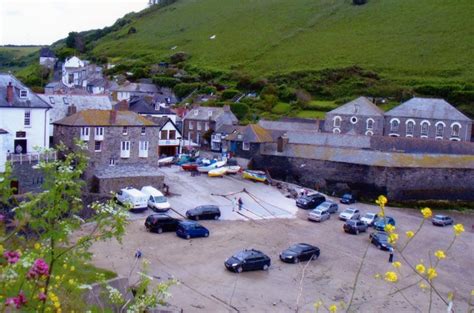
[[394, 124], [370, 124], [440, 130], [336, 131], [337, 121], [424, 129], [455, 129], [410, 128]]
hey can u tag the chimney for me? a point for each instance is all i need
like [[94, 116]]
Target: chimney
[[71, 110], [113, 117], [10, 93]]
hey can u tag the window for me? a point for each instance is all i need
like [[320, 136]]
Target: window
[[440, 130], [206, 126], [172, 135], [65, 100], [125, 130], [336, 131], [191, 125], [27, 120], [199, 125], [143, 131], [410, 128], [337, 121], [51, 99], [353, 120], [245, 146], [370, 124], [164, 135], [125, 149], [455, 129], [369, 133], [143, 149], [23, 93], [394, 124], [112, 162], [99, 132], [98, 146], [424, 129], [85, 133]]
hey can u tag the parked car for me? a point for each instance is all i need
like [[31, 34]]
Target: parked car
[[442, 220], [355, 227], [318, 215], [160, 222], [350, 214], [204, 212], [380, 240], [310, 201], [348, 198], [369, 218], [380, 223], [156, 200], [329, 206], [300, 252], [248, 260], [134, 198], [189, 229]]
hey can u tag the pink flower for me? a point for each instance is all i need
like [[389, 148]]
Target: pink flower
[[2, 217], [12, 256], [39, 268], [18, 301], [42, 296]]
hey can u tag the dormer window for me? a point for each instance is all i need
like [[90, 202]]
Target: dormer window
[[66, 101], [23, 93], [51, 100], [196, 112], [125, 130], [209, 113]]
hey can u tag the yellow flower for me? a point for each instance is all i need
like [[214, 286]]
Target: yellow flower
[[389, 228], [65, 266], [410, 234], [333, 308], [423, 285], [71, 282], [317, 305], [431, 273], [392, 238], [397, 264], [377, 276], [420, 268], [73, 268], [426, 212], [391, 277], [57, 277], [37, 246], [57, 305], [440, 254], [381, 200], [458, 229]]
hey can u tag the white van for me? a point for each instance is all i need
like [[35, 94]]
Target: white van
[[156, 201], [134, 198]]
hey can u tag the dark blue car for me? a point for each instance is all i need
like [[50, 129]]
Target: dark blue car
[[189, 229], [382, 221]]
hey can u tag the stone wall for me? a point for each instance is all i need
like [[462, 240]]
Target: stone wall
[[106, 185], [370, 181], [29, 179]]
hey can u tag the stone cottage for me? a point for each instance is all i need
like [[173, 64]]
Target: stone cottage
[[246, 142], [427, 118], [358, 117]]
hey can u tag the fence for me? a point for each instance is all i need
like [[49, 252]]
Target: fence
[[33, 157]]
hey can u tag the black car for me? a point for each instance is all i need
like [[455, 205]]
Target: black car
[[310, 202], [204, 212], [442, 220], [348, 199], [300, 252], [248, 260], [355, 227], [380, 240], [159, 223]]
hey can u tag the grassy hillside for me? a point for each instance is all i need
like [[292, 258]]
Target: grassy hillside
[[12, 57], [403, 39]]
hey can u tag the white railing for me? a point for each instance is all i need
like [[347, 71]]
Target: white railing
[[171, 142], [33, 157]]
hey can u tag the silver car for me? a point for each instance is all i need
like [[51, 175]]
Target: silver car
[[318, 215], [329, 206]]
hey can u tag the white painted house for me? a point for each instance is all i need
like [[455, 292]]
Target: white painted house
[[24, 119], [73, 72]]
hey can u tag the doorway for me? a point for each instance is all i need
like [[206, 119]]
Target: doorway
[[20, 146], [168, 150]]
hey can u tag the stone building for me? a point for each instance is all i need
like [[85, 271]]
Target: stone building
[[358, 117], [200, 120], [246, 142], [427, 118]]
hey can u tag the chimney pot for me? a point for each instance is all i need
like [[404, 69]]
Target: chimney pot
[[9, 97], [113, 117]]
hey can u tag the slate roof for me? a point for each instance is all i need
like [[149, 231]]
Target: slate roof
[[427, 108], [290, 125], [229, 129], [47, 53], [252, 133], [31, 101], [213, 114], [3, 131], [136, 87], [146, 105], [359, 106], [102, 118]]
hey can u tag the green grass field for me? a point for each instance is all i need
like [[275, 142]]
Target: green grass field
[[404, 39], [14, 57]]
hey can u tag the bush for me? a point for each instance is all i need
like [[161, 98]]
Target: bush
[[164, 81], [184, 89], [239, 109], [229, 94], [208, 90], [179, 57]]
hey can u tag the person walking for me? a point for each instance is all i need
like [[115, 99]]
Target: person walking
[[390, 258], [241, 203]]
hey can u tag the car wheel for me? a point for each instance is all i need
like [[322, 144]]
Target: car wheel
[[239, 269], [206, 235], [188, 237], [297, 260], [159, 230], [216, 217], [378, 246], [265, 267]]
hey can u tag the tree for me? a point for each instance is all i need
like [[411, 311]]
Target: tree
[[239, 109]]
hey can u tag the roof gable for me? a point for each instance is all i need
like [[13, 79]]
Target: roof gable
[[31, 101], [428, 108], [359, 106]]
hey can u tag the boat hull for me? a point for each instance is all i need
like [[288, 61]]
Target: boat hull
[[217, 172], [255, 176]]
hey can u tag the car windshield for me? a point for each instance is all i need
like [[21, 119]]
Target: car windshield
[[325, 205], [440, 217], [346, 196], [382, 237], [349, 211], [240, 256], [369, 215], [295, 248], [160, 199], [318, 212]]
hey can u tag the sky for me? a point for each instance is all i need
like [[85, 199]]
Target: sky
[[42, 22]]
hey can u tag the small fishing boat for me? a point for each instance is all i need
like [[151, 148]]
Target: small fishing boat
[[233, 169], [190, 167], [217, 172], [259, 176], [165, 161], [206, 169]]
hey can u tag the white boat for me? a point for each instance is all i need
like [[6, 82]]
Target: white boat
[[217, 172], [164, 161], [233, 169], [206, 169]]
